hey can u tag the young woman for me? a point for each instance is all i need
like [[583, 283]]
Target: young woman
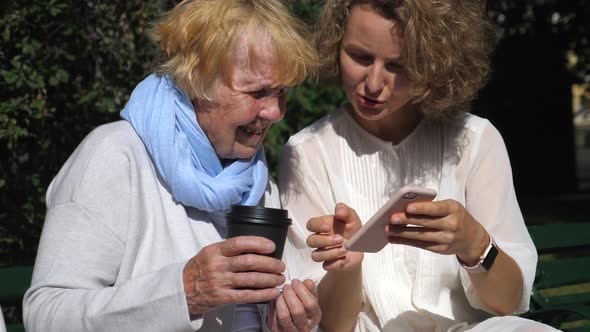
[[409, 69]]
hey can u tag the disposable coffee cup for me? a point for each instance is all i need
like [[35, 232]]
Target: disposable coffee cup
[[270, 223]]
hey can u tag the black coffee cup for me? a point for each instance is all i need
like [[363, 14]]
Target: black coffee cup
[[270, 223]]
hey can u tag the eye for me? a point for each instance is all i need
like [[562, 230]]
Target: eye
[[360, 58], [259, 93], [394, 67], [264, 93]]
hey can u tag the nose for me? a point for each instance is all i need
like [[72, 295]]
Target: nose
[[375, 80], [273, 109]]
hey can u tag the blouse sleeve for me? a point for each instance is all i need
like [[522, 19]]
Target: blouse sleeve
[[491, 200], [303, 195]]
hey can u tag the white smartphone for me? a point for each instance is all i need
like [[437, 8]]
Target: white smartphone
[[371, 237]]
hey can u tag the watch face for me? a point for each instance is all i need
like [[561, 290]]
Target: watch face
[[488, 261]]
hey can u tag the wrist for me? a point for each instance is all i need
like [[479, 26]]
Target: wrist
[[472, 255], [347, 272], [485, 260], [344, 278]]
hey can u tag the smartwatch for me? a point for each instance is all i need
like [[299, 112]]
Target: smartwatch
[[486, 259]]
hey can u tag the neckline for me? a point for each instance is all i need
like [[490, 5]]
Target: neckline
[[382, 142]]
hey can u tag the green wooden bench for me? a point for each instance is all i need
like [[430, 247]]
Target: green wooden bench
[[561, 292], [14, 281]]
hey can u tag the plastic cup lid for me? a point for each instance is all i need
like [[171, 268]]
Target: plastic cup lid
[[258, 212]]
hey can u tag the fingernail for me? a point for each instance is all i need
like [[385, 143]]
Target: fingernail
[[324, 228], [396, 219], [342, 250], [411, 209]]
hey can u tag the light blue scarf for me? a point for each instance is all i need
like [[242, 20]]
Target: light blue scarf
[[165, 120]]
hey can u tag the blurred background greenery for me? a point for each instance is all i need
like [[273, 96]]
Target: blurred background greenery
[[68, 66]]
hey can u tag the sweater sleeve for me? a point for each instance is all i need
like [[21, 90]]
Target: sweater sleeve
[[76, 282], [491, 199]]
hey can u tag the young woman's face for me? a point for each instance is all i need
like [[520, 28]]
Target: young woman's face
[[373, 77], [243, 111]]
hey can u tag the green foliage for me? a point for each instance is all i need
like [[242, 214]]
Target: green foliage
[[65, 67], [306, 10]]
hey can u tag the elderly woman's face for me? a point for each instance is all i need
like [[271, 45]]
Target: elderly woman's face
[[243, 111]]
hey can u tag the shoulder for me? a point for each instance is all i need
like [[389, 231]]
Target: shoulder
[[483, 143], [111, 144], [479, 126], [106, 155], [470, 131], [117, 135]]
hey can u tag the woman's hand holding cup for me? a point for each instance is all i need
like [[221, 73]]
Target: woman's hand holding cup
[[237, 270]]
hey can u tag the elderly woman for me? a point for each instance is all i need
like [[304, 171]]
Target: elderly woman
[[409, 69], [133, 238]]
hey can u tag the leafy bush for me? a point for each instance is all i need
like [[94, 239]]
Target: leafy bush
[[65, 67]]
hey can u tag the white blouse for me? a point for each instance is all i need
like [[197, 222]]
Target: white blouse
[[405, 288]]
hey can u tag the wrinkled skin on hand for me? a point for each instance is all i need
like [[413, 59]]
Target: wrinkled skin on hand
[[232, 271]]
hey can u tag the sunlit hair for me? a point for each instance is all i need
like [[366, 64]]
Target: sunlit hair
[[198, 39], [446, 46]]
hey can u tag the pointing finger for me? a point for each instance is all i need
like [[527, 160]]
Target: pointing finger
[[321, 224], [345, 213]]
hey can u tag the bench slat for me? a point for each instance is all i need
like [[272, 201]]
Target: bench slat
[[562, 271], [561, 300], [567, 318], [552, 236], [15, 328], [15, 281], [561, 290]]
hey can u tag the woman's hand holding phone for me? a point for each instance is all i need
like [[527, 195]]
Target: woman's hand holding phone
[[372, 237], [447, 228], [330, 233]]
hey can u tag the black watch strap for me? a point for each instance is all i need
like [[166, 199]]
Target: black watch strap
[[489, 259], [486, 260]]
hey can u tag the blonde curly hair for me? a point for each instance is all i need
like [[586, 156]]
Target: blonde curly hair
[[446, 46]]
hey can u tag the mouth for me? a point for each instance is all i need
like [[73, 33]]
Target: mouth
[[369, 102], [252, 130], [251, 135]]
